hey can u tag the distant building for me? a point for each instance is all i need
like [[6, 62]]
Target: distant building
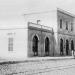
[[52, 35]]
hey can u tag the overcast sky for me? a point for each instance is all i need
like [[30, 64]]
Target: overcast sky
[[13, 9]]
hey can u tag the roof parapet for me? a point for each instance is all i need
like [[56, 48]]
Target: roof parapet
[[39, 26]]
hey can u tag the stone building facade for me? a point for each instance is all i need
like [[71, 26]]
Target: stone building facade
[[48, 41], [66, 32], [53, 36], [40, 40]]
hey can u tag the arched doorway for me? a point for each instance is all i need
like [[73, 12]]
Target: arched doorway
[[67, 47], [35, 45], [61, 46], [47, 46], [72, 45]]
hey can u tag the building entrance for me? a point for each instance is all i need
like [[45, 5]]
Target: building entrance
[[61, 46], [67, 47], [35, 45], [72, 45], [47, 46]]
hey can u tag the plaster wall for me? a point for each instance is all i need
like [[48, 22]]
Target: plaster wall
[[19, 43]]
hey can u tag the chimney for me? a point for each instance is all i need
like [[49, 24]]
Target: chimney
[[38, 21]]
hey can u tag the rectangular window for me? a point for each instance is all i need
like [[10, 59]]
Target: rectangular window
[[71, 26], [66, 25], [60, 23], [10, 44]]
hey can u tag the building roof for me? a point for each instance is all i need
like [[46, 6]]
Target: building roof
[[66, 12]]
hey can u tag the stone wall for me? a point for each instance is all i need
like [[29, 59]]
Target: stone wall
[[41, 35]]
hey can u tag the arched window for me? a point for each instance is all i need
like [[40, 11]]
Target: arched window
[[71, 26], [61, 46], [66, 25], [60, 23], [47, 46], [67, 47], [35, 45], [72, 45]]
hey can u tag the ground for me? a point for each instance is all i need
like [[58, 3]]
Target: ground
[[40, 66]]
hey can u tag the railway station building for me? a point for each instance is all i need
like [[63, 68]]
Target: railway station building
[[56, 39], [44, 34]]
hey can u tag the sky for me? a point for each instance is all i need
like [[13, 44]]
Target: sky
[[14, 10]]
